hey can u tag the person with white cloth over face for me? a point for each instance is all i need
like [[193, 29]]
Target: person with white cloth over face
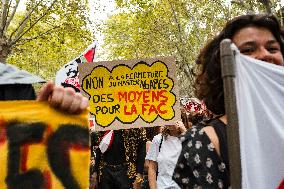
[[203, 162]]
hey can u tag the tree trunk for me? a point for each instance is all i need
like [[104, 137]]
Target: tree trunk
[[5, 49]]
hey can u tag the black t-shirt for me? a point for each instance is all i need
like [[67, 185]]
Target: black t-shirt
[[115, 155]]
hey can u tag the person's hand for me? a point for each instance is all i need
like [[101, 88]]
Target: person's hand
[[136, 185], [180, 126], [137, 182], [92, 162], [65, 99], [95, 179]]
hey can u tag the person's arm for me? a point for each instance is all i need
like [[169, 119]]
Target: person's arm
[[152, 174], [151, 157], [95, 180], [180, 127], [146, 163], [210, 131], [65, 99]]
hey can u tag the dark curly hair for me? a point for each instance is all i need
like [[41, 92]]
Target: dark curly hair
[[151, 132], [209, 83]]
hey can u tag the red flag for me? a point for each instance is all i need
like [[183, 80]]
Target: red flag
[[90, 55]]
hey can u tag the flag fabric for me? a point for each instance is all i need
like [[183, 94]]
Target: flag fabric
[[87, 56], [260, 100], [106, 141], [68, 75]]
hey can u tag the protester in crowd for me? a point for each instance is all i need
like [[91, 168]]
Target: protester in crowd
[[16, 84], [120, 165], [150, 133], [162, 156], [203, 162], [194, 111], [166, 147]]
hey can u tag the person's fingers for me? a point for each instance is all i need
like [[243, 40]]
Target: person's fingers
[[46, 91], [63, 98], [181, 126], [57, 97], [84, 103], [68, 98], [179, 123], [176, 125], [76, 103]]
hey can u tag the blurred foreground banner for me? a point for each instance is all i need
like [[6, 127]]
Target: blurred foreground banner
[[42, 148]]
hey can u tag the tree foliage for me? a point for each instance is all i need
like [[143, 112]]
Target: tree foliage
[[44, 36], [163, 28], [150, 28]]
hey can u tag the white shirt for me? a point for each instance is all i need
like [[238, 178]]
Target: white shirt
[[166, 159]]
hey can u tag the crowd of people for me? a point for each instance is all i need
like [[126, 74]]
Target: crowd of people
[[153, 153], [191, 153], [196, 155]]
